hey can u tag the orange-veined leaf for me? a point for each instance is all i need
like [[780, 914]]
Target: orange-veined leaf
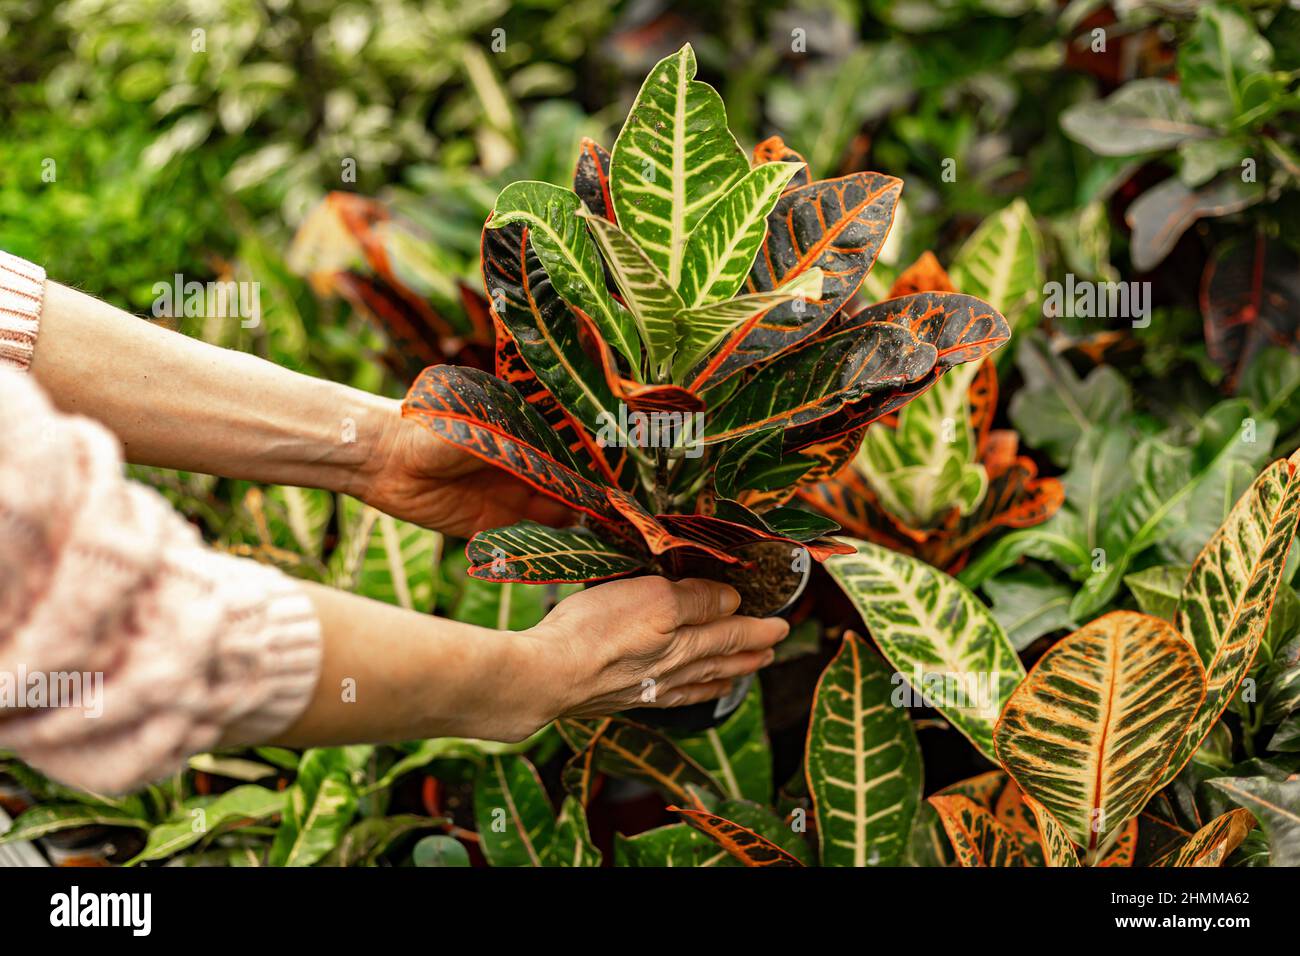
[[1091, 729], [1214, 842], [747, 846], [977, 838], [1226, 602]]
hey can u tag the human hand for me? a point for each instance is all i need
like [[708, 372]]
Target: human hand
[[414, 475], [600, 647]]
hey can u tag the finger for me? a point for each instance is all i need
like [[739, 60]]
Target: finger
[[733, 635], [699, 601], [694, 694], [716, 668]]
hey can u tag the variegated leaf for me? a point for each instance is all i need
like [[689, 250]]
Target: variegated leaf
[[1000, 262], [674, 158], [927, 464], [774, 150], [591, 178], [744, 844], [976, 836], [541, 325], [1092, 728], [836, 225], [569, 256], [701, 329], [678, 845], [822, 375], [1214, 842], [863, 763], [489, 419], [1226, 601], [572, 845], [628, 749], [1123, 851], [722, 245], [736, 753], [516, 824], [934, 632], [384, 559], [535, 554], [1057, 848], [653, 302]]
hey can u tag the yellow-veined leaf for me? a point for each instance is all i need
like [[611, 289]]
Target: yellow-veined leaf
[[1095, 723], [1226, 602]]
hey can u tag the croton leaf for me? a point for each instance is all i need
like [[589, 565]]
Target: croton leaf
[[1001, 262], [750, 848], [822, 375], [653, 302], [931, 628], [572, 845], [673, 159], [929, 846], [1250, 298], [960, 327], [736, 753], [923, 275], [568, 255], [1057, 848], [1214, 842], [516, 824], [321, 804], [625, 748], [721, 247], [659, 538], [678, 845], [1092, 728], [1123, 851], [541, 324], [1276, 805], [727, 536], [1225, 604], [927, 464], [863, 762], [837, 225], [591, 178], [774, 150], [701, 328], [489, 419], [590, 458], [977, 837], [535, 554]]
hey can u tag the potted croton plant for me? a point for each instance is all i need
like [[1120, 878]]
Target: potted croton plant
[[680, 349]]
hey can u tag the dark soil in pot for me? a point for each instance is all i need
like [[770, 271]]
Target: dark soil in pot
[[769, 584]]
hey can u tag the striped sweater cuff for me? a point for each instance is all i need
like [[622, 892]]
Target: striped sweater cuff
[[22, 291]]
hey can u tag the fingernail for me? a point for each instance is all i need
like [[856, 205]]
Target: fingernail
[[728, 599], [768, 658]]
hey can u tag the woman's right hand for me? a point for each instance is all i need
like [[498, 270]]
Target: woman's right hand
[[649, 642]]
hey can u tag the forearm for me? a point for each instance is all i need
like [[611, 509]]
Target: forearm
[[177, 402], [389, 674]]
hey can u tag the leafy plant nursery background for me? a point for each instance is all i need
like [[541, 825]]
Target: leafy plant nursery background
[[1169, 157]]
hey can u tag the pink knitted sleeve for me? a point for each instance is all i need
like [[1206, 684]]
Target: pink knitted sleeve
[[125, 644], [22, 289]]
